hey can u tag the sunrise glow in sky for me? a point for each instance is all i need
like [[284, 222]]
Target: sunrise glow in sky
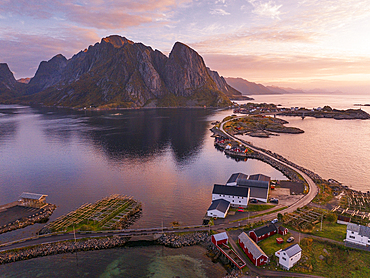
[[297, 43]]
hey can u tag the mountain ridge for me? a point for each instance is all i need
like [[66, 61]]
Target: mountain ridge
[[117, 72]]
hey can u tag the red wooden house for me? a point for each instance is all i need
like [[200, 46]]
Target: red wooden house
[[263, 232], [282, 230], [220, 238], [252, 250]]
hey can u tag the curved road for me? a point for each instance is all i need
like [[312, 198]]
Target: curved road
[[305, 200]]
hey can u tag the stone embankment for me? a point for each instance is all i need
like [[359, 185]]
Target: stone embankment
[[177, 241], [42, 215], [62, 247]]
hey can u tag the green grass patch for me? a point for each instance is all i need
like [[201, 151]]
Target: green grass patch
[[270, 246], [253, 207], [322, 258], [254, 216], [335, 261], [330, 230]]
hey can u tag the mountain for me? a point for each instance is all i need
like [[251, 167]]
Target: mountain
[[9, 87], [248, 88], [223, 86], [24, 80], [283, 90], [120, 73]]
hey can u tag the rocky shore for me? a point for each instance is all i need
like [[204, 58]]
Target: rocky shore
[[42, 215], [177, 241], [168, 240], [62, 247]]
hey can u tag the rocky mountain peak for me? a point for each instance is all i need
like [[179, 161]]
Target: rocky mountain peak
[[117, 41], [6, 75]]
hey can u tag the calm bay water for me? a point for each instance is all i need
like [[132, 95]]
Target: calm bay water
[[332, 148], [165, 158]]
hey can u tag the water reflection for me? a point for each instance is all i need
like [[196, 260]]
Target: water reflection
[[146, 133]]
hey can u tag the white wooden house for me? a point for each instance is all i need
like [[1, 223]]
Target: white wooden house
[[237, 196], [219, 208], [289, 256], [358, 234]]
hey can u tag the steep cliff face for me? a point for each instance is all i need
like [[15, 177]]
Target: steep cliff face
[[9, 87], [48, 74], [120, 73]]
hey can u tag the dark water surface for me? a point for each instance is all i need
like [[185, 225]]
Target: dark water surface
[[149, 261], [164, 158]]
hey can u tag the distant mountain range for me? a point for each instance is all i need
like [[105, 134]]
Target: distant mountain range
[[120, 73], [250, 88]]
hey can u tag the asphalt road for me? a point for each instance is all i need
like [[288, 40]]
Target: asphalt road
[[313, 189]]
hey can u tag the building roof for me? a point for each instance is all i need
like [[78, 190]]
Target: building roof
[[256, 192], [230, 190], [253, 183], [220, 236], [344, 218], [34, 196], [220, 205], [234, 177], [251, 245], [281, 228], [364, 231], [353, 227], [292, 250], [265, 229], [259, 177]]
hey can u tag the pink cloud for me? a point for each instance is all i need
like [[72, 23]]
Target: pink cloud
[[258, 67]]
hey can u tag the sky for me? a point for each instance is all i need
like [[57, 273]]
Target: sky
[[293, 43]]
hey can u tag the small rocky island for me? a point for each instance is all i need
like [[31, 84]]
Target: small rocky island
[[259, 126], [319, 112], [328, 112]]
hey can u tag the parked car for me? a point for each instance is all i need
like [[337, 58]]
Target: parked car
[[274, 221], [291, 239], [274, 200], [255, 201]]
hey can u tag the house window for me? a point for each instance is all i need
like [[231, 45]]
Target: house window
[[284, 258], [352, 232], [240, 201], [352, 237]]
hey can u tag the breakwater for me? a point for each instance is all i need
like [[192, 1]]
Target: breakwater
[[168, 240], [62, 247], [287, 171], [42, 215], [177, 241]]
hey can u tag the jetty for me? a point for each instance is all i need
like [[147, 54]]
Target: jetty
[[29, 209]]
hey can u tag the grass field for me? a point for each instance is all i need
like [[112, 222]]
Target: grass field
[[335, 261], [330, 230], [320, 257]]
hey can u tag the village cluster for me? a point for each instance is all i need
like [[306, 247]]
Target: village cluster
[[248, 242], [237, 192]]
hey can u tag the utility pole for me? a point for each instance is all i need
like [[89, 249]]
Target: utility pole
[[74, 232]]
